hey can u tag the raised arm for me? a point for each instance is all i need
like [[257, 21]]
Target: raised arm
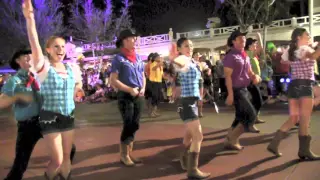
[[37, 54], [315, 55]]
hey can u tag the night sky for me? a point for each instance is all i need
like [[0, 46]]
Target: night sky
[[157, 16]]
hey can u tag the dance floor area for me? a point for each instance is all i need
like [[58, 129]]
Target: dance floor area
[[157, 144]]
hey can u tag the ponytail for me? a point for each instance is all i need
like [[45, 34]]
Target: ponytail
[[292, 48]]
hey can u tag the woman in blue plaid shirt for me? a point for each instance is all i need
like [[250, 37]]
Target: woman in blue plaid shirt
[[301, 58], [59, 82], [189, 77]]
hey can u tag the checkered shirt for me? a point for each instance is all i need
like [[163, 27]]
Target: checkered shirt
[[302, 69], [190, 81], [57, 93]]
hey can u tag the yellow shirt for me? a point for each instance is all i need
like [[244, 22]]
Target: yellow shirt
[[155, 75]]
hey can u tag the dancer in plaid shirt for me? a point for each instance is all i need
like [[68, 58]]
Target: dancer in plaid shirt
[[189, 77], [59, 82], [301, 58]]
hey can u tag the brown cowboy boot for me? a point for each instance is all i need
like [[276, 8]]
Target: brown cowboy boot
[[232, 140], [135, 160], [304, 149], [124, 155], [192, 171], [274, 145], [184, 157]]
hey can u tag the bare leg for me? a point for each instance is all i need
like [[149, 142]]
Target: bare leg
[[53, 141], [67, 140]]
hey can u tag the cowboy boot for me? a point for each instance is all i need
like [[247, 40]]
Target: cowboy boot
[[304, 149], [51, 177], [232, 140], [192, 167], [184, 157], [124, 155], [274, 145], [253, 129], [135, 160], [153, 112]]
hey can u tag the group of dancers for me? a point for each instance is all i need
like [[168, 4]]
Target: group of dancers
[[42, 92]]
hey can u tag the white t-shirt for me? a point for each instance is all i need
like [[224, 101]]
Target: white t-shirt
[[183, 60], [44, 66], [300, 53]]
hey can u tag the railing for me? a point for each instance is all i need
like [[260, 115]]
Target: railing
[[98, 46], [212, 32], [293, 22], [149, 40], [141, 41]]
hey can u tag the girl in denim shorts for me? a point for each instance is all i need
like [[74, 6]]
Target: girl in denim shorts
[[301, 58]]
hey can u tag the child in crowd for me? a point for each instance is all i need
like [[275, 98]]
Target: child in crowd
[[266, 76]]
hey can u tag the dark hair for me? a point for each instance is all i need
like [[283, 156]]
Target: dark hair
[[194, 53], [21, 52], [293, 43], [150, 56], [154, 56], [181, 41]]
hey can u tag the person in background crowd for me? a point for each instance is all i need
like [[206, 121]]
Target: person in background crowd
[[266, 76], [220, 74], [155, 77], [128, 76], [203, 67], [301, 58], [148, 92], [189, 78], [238, 74], [281, 70], [169, 85], [253, 49]]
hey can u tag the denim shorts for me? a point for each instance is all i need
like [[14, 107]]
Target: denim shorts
[[299, 88], [51, 122], [188, 108]]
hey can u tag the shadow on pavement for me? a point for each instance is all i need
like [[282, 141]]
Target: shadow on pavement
[[164, 163]]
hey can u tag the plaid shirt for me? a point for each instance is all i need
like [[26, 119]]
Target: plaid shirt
[[190, 81], [58, 93], [302, 69]]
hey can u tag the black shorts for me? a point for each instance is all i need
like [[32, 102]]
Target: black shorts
[[51, 122], [299, 88], [188, 109]]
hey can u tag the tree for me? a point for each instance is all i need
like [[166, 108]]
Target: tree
[[246, 11], [96, 24], [13, 27], [124, 21], [270, 10], [90, 22]]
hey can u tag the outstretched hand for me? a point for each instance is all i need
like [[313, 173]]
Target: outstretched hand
[[27, 8]]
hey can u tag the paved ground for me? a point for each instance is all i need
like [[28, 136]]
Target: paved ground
[[97, 138]]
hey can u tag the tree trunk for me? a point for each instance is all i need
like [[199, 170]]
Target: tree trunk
[[265, 30]]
